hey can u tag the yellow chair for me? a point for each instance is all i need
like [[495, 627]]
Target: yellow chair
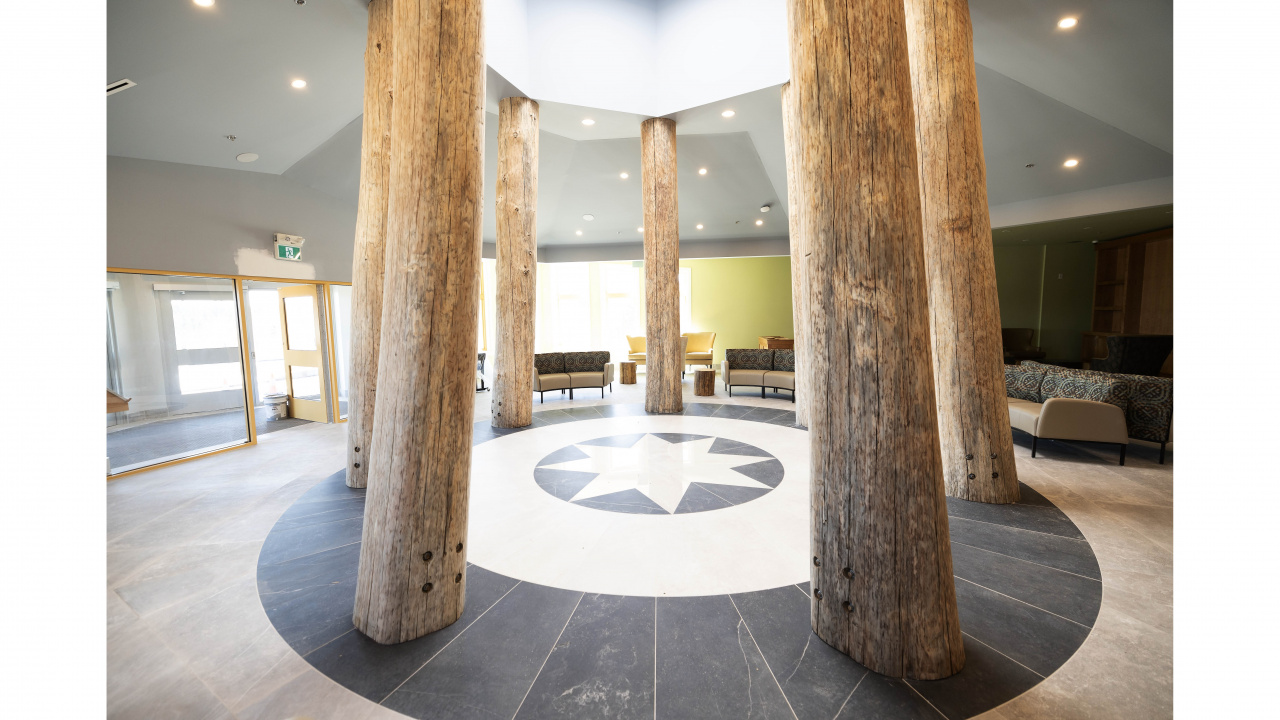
[[636, 354], [701, 348]]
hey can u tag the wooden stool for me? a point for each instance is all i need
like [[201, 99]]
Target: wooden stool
[[704, 382], [628, 372]]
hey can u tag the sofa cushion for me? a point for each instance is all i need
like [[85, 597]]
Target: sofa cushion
[[1023, 414], [586, 379], [553, 381], [1085, 385], [547, 363], [1023, 381], [1150, 413], [701, 342], [784, 360], [780, 379], [592, 361], [749, 359], [747, 377]]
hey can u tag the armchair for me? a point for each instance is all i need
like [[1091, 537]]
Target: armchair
[[701, 348], [636, 349]]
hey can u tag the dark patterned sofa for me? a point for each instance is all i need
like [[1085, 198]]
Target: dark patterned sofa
[[1034, 391], [758, 367], [571, 371]]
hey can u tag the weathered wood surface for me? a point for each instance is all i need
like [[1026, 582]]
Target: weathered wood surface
[[964, 310], [627, 372], [664, 360], [704, 382], [883, 589], [412, 576], [517, 250], [799, 256], [367, 271]]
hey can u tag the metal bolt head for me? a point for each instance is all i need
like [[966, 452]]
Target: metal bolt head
[[848, 606], [457, 578], [357, 464], [817, 593], [357, 449], [459, 548], [993, 456], [972, 476], [995, 474], [427, 587], [847, 572], [969, 456], [426, 556], [816, 561]]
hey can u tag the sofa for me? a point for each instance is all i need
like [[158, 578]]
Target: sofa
[[571, 371], [758, 367], [1058, 403]]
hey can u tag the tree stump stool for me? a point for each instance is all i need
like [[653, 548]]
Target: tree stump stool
[[628, 368], [704, 382]]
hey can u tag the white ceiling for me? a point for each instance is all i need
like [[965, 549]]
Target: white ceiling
[[1102, 94]]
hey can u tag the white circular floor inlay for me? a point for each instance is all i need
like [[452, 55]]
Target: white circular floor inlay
[[529, 520]]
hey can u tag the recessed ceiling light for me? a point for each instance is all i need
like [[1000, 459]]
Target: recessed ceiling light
[[764, 208], [728, 113], [699, 226], [1071, 163], [639, 229], [759, 222], [702, 171], [588, 122], [588, 217], [1067, 23], [204, 3], [299, 83], [624, 176], [247, 157], [578, 232]]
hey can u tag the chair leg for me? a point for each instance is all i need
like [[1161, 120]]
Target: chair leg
[[1123, 448], [542, 398], [1034, 440], [761, 393], [730, 389], [1162, 453], [570, 393]]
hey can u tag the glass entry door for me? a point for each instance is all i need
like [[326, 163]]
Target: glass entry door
[[303, 354], [201, 349]]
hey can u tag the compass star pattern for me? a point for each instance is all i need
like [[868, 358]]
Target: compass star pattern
[[659, 473]]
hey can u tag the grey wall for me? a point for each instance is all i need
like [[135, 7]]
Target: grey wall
[[189, 218]]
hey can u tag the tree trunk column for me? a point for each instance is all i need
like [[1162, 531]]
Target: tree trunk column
[[517, 247], [799, 256], [663, 361], [412, 561], [883, 590], [371, 237], [968, 359]]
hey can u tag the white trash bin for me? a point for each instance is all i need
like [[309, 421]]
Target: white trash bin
[[277, 406]]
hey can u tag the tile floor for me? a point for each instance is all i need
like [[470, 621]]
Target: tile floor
[[188, 636]]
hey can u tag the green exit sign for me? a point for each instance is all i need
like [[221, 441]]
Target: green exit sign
[[288, 252]]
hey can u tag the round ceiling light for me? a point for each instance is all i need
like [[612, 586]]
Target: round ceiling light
[[1071, 163], [702, 171], [579, 232], [204, 3], [247, 157], [588, 122], [699, 226], [759, 222], [624, 176], [299, 83], [639, 229], [1067, 23], [728, 113], [764, 208], [588, 217]]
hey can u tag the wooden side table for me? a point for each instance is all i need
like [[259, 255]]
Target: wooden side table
[[704, 382], [627, 372]]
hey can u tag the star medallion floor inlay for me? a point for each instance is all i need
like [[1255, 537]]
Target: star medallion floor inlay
[[659, 473]]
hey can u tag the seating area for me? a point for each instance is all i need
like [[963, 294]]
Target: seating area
[[571, 371], [699, 348], [1054, 403], [758, 367]]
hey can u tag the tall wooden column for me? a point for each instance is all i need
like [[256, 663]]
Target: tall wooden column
[[663, 361], [968, 359], [412, 577], [883, 590], [517, 247], [799, 256], [371, 237]]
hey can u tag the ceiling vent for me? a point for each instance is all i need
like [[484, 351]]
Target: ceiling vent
[[117, 86]]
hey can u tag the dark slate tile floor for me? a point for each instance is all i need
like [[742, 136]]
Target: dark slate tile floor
[[1026, 582]]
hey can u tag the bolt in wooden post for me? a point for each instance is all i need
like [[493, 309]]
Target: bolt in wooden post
[[663, 361], [878, 503], [367, 272], [420, 460], [964, 318], [517, 248]]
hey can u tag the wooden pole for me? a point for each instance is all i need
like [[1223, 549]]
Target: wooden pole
[[663, 361], [883, 590], [517, 249], [799, 285], [968, 359], [371, 241], [412, 572]]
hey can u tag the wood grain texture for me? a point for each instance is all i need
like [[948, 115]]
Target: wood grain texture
[[878, 502], [964, 309], [517, 251], [420, 461], [627, 372], [368, 262], [704, 382], [663, 360], [799, 256]]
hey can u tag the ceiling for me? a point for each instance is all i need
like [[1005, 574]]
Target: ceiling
[[1088, 228], [1101, 93]]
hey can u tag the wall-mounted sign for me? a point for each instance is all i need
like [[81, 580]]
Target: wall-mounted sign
[[289, 247]]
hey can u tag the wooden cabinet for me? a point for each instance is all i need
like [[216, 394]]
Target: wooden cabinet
[[1132, 290]]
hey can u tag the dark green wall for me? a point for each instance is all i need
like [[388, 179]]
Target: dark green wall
[[1049, 288]]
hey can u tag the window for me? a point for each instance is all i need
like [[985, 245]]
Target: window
[[210, 377], [205, 324]]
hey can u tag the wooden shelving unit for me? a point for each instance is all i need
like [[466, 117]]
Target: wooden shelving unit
[[1131, 280]]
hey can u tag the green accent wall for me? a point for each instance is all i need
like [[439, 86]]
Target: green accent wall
[[1048, 288], [741, 299]]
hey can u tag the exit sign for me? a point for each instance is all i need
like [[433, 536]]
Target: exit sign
[[289, 247]]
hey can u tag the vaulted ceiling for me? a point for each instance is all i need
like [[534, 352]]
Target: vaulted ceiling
[[1101, 93]]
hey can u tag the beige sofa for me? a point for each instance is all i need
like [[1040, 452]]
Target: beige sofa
[[760, 368], [1067, 406], [572, 371]]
